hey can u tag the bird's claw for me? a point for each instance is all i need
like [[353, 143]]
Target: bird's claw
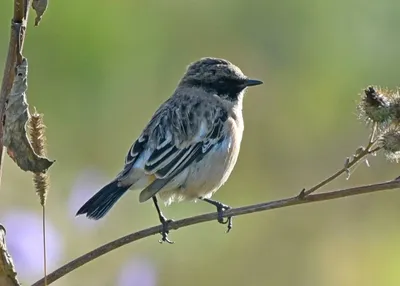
[[220, 210], [164, 230]]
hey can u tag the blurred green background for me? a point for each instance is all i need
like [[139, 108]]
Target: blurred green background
[[99, 69]]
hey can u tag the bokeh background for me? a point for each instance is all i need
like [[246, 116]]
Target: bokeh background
[[99, 69]]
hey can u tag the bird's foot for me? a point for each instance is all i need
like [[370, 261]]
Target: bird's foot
[[164, 230], [220, 210], [228, 221], [164, 224]]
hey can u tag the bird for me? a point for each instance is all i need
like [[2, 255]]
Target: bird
[[189, 147]]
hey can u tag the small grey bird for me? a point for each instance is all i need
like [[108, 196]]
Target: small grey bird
[[190, 146]]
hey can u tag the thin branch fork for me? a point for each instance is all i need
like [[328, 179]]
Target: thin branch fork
[[360, 155], [296, 200]]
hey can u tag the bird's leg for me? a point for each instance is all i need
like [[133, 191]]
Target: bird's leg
[[220, 209], [164, 221]]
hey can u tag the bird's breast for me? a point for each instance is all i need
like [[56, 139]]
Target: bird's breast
[[209, 174]]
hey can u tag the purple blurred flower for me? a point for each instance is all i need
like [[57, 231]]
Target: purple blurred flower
[[87, 183], [138, 271], [25, 243]]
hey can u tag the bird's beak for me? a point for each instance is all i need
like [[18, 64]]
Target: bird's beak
[[252, 82]]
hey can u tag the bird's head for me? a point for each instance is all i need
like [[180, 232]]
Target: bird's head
[[218, 76]]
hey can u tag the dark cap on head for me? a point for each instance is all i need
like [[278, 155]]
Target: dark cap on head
[[217, 76]]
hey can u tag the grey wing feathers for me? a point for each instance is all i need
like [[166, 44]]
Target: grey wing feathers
[[180, 142], [176, 136], [139, 147], [181, 161], [134, 152]]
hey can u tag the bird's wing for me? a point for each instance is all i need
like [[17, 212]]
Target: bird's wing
[[179, 136]]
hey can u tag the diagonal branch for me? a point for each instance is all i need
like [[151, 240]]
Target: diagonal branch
[[361, 155], [297, 200]]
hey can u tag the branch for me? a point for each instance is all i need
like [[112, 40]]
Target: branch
[[17, 36], [297, 200], [361, 154]]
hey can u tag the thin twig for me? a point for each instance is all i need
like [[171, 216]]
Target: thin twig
[[356, 159], [376, 149], [82, 260], [44, 244], [372, 136]]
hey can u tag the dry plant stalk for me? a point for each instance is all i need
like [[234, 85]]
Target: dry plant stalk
[[380, 109], [40, 180], [16, 117], [14, 57], [38, 141], [8, 275]]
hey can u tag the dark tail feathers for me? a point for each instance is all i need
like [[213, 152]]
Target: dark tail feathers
[[98, 205]]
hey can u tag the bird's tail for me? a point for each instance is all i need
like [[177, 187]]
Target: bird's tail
[[98, 205]]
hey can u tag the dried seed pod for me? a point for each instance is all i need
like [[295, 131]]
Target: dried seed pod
[[38, 141], [375, 106], [389, 141], [395, 108]]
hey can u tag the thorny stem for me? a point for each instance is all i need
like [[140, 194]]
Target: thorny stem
[[372, 136], [376, 149], [356, 159], [106, 248]]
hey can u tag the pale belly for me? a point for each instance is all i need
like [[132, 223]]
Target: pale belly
[[205, 177]]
